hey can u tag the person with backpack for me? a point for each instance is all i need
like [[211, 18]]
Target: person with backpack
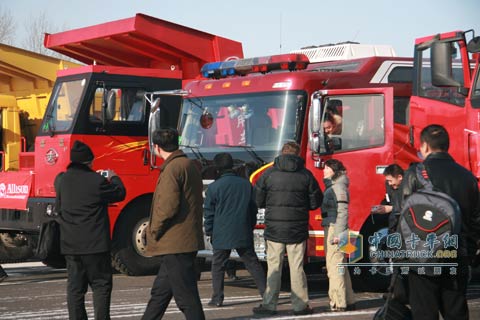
[[443, 293]]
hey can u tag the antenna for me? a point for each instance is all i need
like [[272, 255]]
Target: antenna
[[280, 32]]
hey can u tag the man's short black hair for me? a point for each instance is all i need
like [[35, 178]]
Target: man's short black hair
[[436, 137], [166, 138], [393, 170], [223, 161]]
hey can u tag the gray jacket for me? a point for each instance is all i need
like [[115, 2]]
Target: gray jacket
[[335, 204]]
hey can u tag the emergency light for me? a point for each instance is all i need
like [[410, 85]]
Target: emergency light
[[289, 61]]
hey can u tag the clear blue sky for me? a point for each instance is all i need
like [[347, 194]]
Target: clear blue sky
[[272, 26]]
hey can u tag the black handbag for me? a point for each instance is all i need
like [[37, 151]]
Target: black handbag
[[48, 247], [395, 307]]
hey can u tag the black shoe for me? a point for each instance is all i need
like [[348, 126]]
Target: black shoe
[[351, 307], [212, 303], [337, 309], [3, 277], [264, 311], [305, 311]]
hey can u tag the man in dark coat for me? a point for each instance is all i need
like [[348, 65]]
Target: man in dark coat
[[175, 230], [287, 191], [82, 201], [446, 293], [392, 203], [230, 216]]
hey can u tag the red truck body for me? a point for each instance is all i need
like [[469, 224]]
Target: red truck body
[[256, 104], [103, 105]]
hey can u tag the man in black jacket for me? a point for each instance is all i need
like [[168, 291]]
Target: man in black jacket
[[82, 201], [446, 293], [392, 203], [287, 191], [230, 216]]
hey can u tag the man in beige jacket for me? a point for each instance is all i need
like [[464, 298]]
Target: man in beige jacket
[[175, 230]]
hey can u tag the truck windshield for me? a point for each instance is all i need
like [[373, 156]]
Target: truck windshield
[[63, 105], [263, 121]]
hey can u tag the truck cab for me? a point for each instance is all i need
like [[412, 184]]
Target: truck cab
[[251, 107], [446, 83]]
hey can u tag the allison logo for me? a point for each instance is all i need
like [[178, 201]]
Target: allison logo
[[13, 190], [3, 190], [51, 156]]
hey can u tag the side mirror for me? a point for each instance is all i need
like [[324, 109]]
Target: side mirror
[[473, 45], [315, 143], [153, 125], [441, 65], [316, 115], [111, 105]]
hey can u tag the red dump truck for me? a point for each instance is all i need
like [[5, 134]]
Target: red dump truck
[[102, 104]]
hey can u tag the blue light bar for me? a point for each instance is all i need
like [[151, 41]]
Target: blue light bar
[[211, 70]]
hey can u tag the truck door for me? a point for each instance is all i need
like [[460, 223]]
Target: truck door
[[363, 141], [442, 76]]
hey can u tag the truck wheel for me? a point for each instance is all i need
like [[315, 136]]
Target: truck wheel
[[128, 253], [16, 248], [380, 279]]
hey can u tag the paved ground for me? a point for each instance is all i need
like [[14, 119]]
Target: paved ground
[[34, 291]]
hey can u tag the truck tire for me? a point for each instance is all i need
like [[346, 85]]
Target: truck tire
[[13, 250], [367, 281], [128, 253]]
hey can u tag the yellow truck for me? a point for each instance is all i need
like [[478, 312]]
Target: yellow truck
[[26, 80]]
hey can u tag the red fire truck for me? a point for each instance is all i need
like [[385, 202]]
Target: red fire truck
[[102, 104], [250, 107]]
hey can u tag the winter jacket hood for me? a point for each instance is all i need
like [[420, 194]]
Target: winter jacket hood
[[288, 162]]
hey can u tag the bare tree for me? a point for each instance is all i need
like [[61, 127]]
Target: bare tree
[[7, 26], [36, 27]]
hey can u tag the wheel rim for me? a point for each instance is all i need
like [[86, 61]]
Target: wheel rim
[[137, 237], [381, 269]]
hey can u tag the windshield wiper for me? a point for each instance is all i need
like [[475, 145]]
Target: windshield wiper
[[196, 152], [250, 150]]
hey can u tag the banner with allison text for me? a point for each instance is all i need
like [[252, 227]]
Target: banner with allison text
[[14, 189]]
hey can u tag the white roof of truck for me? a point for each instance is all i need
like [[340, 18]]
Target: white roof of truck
[[345, 51]]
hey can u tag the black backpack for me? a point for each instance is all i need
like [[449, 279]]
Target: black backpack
[[435, 218]]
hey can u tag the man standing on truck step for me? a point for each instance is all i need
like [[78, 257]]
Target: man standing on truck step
[[287, 191], [82, 201], [230, 216], [174, 232], [445, 293]]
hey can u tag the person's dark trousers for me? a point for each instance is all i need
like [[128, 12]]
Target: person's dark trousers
[[176, 277], [94, 270], [445, 294], [249, 258]]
